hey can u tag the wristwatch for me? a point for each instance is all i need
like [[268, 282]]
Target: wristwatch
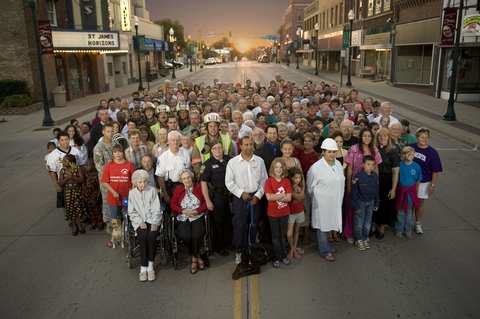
[[432, 185]]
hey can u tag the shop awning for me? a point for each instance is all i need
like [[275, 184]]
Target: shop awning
[[149, 44], [160, 45]]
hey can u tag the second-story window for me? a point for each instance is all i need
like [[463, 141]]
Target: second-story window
[[52, 14]]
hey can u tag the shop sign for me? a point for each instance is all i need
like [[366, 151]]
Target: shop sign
[[85, 40], [448, 26], [125, 15], [124, 45], [346, 38], [314, 43], [45, 37], [356, 35], [471, 26], [142, 46]]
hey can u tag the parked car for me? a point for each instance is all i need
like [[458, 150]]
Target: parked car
[[218, 60], [210, 61], [168, 64], [264, 59]]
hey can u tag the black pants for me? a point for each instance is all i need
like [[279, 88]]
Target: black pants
[[264, 231], [192, 234], [241, 222], [148, 244], [278, 226], [222, 222]]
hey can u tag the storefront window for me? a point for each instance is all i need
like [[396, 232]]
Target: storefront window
[[73, 71], [468, 77]]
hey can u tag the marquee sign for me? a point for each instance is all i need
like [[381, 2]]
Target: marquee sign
[[85, 40], [125, 15]]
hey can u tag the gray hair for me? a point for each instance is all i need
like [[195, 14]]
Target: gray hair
[[281, 125], [386, 102], [258, 129], [347, 121], [304, 101], [139, 174], [249, 123], [248, 133], [339, 110], [394, 123], [325, 108], [189, 134], [184, 170], [248, 113], [233, 125], [270, 98], [172, 133]]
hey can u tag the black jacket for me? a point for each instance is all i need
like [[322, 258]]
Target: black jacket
[[266, 153]]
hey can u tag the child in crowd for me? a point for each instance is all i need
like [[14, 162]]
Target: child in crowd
[[55, 132], [279, 193], [384, 121], [145, 215], [374, 127], [117, 179], [356, 131], [297, 141], [364, 199], [91, 196], [297, 215], [409, 178], [71, 177], [50, 148]]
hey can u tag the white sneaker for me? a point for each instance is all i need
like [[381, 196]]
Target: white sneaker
[[350, 240], [238, 258], [359, 245], [418, 229]]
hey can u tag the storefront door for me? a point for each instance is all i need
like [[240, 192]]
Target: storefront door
[[87, 75]]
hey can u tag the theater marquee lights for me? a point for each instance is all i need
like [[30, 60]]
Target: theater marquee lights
[[125, 15]]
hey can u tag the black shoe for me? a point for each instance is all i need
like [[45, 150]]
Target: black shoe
[[74, 233], [82, 231], [223, 252], [380, 235], [372, 233], [93, 228]]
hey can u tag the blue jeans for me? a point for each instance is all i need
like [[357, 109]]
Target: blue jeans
[[363, 221], [403, 225], [115, 212], [322, 243]]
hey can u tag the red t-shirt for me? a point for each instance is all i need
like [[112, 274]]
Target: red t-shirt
[[296, 208], [119, 176], [278, 209], [307, 160]]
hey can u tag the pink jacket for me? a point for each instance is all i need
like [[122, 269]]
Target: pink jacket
[[402, 194]]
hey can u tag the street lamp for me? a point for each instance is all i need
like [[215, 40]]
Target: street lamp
[[174, 55], [351, 16], [316, 50], [140, 86], [201, 54], [47, 118], [191, 53], [288, 51], [298, 44]]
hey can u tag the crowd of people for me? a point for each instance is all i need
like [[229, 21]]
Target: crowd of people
[[288, 159]]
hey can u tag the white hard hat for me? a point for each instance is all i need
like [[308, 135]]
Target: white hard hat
[[329, 144]]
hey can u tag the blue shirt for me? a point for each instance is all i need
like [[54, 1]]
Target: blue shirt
[[364, 189], [409, 175], [273, 147]]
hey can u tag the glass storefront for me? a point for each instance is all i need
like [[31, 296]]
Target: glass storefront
[[377, 62], [414, 64], [468, 76]]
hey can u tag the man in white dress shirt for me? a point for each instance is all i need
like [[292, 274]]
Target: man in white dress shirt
[[237, 118], [245, 179]]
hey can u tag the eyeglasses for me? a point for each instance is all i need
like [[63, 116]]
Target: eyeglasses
[[217, 148]]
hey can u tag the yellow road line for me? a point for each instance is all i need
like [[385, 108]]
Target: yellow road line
[[237, 299], [254, 301]]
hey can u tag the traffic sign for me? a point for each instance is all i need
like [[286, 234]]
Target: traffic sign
[[142, 47], [346, 38]]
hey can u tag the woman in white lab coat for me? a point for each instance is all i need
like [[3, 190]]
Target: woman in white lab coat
[[326, 186]]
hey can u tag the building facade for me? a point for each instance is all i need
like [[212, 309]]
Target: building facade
[[292, 21]]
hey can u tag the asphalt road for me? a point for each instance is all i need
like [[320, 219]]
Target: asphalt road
[[47, 273]]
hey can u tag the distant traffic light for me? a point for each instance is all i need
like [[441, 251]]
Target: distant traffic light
[[178, 48], [278, 44]]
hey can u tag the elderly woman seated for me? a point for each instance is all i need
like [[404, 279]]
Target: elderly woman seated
[[189, 205], [145, 215]]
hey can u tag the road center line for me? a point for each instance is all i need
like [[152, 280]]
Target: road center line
[[237, 299], [254, 301]]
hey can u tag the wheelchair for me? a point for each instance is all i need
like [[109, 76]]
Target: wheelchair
[[131, 244], [175, 240]]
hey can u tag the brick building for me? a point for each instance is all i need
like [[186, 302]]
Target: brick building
[[292, 21], [18, 59]]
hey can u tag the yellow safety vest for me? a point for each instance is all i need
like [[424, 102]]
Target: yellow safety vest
[[200, 141]]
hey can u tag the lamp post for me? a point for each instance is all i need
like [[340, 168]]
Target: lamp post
[[47, 118], [174, 54], [298, 44], [288, 51], [450, 113], [140, 86], [201, 55], [316, 50], [351, 16], [191, 53]]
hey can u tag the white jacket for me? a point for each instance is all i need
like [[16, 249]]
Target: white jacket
[[144, 207], [326, 186]]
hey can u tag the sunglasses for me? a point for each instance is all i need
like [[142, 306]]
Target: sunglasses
[[423, 130]]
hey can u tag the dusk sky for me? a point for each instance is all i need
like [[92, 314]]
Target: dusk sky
[[246, 19]]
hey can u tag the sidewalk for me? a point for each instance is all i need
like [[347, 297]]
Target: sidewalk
[[82, 109], [418, 108]]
